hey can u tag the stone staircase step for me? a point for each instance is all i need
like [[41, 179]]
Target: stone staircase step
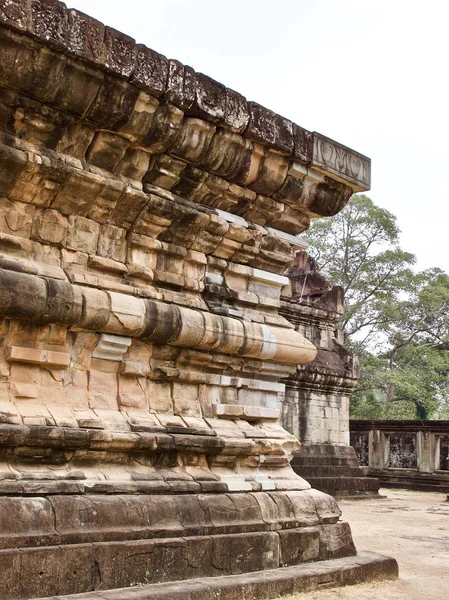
[[363, 568]]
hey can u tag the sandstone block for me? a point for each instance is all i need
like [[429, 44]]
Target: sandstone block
[[34, 184], [303, 144], [164, 129], [120, 52], [185, 400], [138, 125], [151, 71], [49, 358], [78, 193], [236, 115], [173, 421], [63, 416], [96, 309], [132, 392], [78, 97], [270, 129], [78, 389], [25, 380], [208, 397], [34, 413], [16, 218], [82, 234], [98, 263], [103, 390], [107, 150], [87, 419], [85, 36], [160, 396], [111, 347], [115, 421], [8, 410], [260, 412], [210, 99], [106, 200], [15, 14], [224, 427], [180, 85], [128, 207], [112, 243], [336, 541], [127, 315], [50, 226], [299, 545], [228, 410], [194, 139]]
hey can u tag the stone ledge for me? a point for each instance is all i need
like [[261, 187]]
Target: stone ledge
[[54, 301], [83, 38], [363, 568]]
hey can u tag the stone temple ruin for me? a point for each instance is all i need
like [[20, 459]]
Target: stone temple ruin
[[148, 216], [404, 454], [315, 405]]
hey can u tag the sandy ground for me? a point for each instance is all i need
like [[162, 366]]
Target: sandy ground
[[413, 527]]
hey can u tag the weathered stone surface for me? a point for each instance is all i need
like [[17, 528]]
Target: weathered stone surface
[[348, 166], [366, 567], [210, 99], [406, 454], [151, 71], [270, 129], [315, 406], [141, 343], [303, 144], [120, 52], [180, 85]]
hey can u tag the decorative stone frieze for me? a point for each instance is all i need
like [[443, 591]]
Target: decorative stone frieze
[[148, 215]]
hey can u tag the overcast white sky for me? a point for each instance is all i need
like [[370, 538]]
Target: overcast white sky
[[372, 74]]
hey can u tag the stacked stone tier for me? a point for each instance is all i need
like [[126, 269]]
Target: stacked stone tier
[[148, 216]]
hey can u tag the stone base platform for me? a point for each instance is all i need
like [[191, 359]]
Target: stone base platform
[[412, 480], [363, 568], [334, 470], [112, 509], [77, 543]]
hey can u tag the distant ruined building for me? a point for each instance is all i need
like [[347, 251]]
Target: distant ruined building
[[148, 215], [315, 406], [408, 454]]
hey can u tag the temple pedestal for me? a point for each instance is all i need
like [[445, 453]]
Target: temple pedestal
[[148, 215]]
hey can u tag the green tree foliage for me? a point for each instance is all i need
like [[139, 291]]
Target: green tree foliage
[[396, 320]]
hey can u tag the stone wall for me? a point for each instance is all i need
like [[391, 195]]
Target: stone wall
[[148, 215], [315, 406], [410, 454]]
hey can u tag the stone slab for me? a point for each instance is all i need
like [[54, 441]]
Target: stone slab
[[273, 583]]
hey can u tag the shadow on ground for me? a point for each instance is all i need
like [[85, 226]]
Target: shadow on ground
[[412, 527]]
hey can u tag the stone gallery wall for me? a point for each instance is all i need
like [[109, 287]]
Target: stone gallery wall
[[148, 216], [410, 454]]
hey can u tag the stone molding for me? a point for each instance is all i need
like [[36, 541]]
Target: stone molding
[[60, 302], [344, 163], [148, 216], [112, 347], [85, 39]]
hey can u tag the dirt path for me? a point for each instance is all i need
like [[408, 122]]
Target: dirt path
[[413, 527]]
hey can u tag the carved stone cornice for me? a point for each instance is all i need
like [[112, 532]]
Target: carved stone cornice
[[95, 95]]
